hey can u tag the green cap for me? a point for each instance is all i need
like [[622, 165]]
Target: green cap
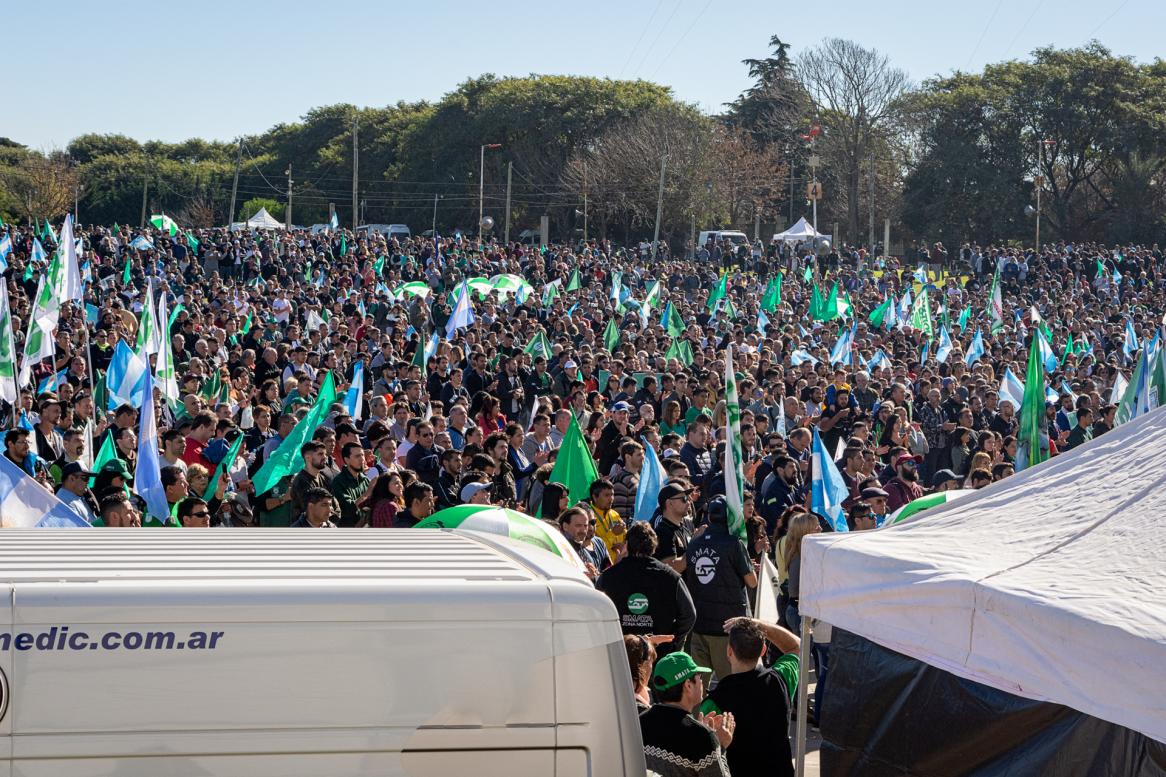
[[117, 467], [673, 669]]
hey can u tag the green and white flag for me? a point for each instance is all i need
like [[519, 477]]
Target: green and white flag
[[149, 333], [164, 375], [574, 284], [46, 312], [611, 336], [734, 471], [539, 345], [8, 390], [921, 314], [995, 309], [652, 300], [551, 291]]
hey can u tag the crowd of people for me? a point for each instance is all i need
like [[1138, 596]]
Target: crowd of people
[[465, 395]]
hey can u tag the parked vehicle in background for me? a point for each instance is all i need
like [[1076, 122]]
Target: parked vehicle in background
[[717, 235]]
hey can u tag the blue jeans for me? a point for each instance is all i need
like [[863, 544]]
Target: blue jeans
[[793, 618], [821, 655]]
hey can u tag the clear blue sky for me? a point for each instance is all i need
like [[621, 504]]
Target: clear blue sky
[[214, 69]]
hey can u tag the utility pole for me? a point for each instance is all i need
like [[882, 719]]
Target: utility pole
[[145, 189], [659, 205], [791, 192], [509, 173], [584, 200], [482, 183], [435, 199], [355, 172], [289, 196], [1038, 182], [235, 185]]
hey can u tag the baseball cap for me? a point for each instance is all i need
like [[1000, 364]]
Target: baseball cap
[[906, 457], [672, 489], [675, 668], [941, 477], [570, 364], [75, 468], [469, 489], [117, 467], [621, 406]]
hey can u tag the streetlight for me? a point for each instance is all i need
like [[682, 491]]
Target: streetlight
[[482, 181]]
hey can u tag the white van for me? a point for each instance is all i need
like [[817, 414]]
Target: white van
[[248, 653], [717, 235]]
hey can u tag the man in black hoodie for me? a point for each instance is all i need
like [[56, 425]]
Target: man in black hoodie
[[650, 596]]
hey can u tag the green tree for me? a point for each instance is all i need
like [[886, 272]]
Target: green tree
[[255, 204]]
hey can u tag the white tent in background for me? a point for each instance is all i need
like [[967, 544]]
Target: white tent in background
[[261, 220], [1047, 585], [798, 232]]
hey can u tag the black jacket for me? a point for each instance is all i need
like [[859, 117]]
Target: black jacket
[[651, 598]]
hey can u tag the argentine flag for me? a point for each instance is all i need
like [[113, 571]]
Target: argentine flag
[[1011, 389], [26, 504], [334, 222], [945, 346], [463, 312], [652, 477], [842, 348], [827, 488], [802, 355], [142, 243], [762, 322], [1131, 342], [975, 350], [1047, 356], [148, 473], [5, 250], [352, 400], [880, 359], [126, 378]]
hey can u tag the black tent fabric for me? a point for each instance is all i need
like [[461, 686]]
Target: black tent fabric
[[885, 714]]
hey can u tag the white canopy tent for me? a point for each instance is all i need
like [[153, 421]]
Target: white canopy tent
[[798, 232], [261, 220], [1049, 585]]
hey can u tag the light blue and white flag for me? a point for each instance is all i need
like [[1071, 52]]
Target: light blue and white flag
[[921, 275], [334, 222], [1011, 389], [903, 314], [148, 472], [431, 346], [975, 350], [353, 399], [945, 347], [142, 243], [802, 355], [827, 488], [26, 504], [38, 255], [1131, 342], [762, 322], [879, 360], [463, 312], [53, 382], [73, 289], [5, 250], [1047, 356], [1051, 395], [842, 348], [126, 378], [652, 477]]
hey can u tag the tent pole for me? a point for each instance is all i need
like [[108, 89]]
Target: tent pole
[[803, 696]]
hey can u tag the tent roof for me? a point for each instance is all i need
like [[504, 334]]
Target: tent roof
[[264, 220], [1049, 585], [799, 231]]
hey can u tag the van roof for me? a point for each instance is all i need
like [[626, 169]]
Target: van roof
[[37, 555]]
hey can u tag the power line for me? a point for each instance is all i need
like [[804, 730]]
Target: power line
[[647, 24], [983, 33], [679, 40], [652, 45], [1105, 21], [1023, 27]]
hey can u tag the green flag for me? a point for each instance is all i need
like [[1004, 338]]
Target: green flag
[[343, 245], [539, 345], [549, 293], [378, 265], [808, 274], [8, 389], [246, 325], [921, 314], [574, 284], [27, 271], [963, 322], [772, 296], [719, 291], [817, 305], [879, 314], [210, 389], [419, 355], [1069, 348], [174, 316], [116, 228], [611, 336], [574, 467], [1032, 437], [100, 397], [673, 323], [681, 351], [224, 467], [106, 454], [734, 472], [192, 241], [125, 274], [286, 459]]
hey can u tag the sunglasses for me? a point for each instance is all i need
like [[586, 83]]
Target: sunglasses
[[201, 514]]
